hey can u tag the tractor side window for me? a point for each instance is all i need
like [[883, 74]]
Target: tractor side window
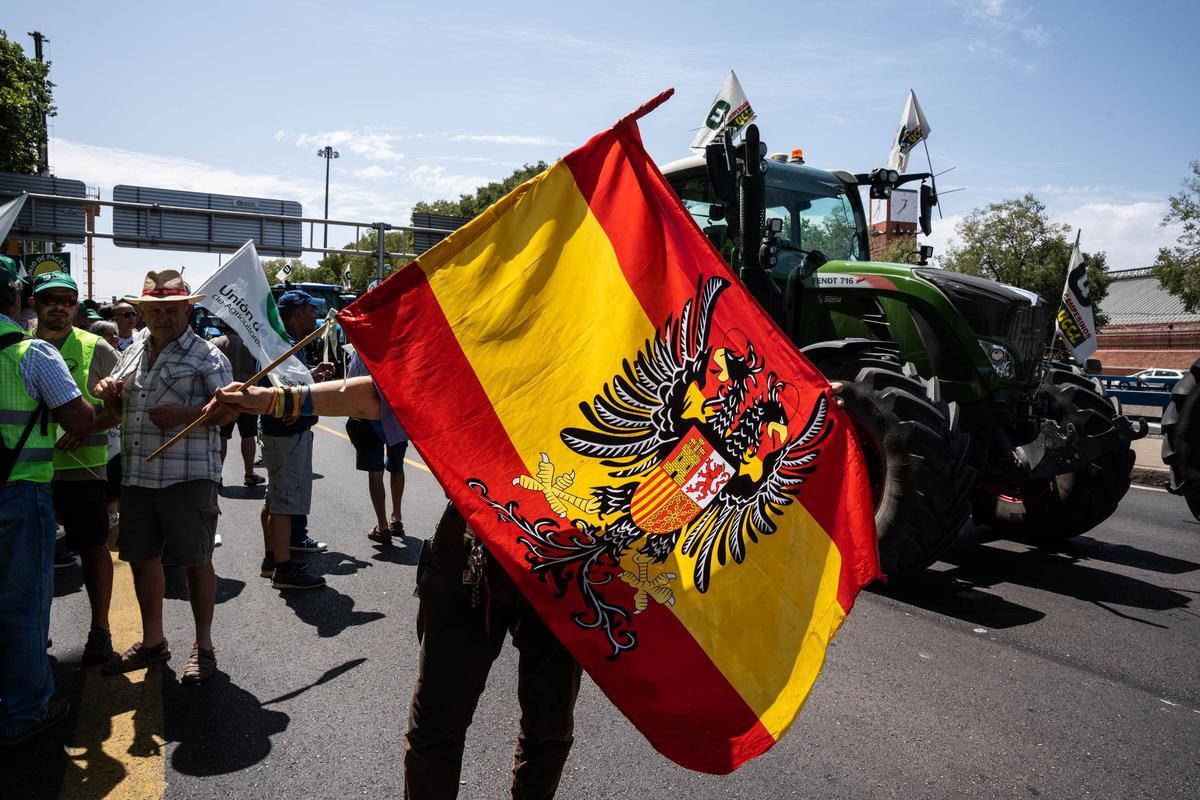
[[828, 225], [707, 210]]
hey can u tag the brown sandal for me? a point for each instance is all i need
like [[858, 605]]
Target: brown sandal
[[200, 667], [383, 537], [137, 657]]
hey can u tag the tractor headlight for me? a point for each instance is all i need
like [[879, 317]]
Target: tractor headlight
[[1001, 360]]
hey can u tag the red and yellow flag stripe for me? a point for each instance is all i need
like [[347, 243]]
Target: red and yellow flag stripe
[[486, 346]]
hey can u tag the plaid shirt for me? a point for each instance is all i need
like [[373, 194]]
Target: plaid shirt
[[45, 374], [187, 372]]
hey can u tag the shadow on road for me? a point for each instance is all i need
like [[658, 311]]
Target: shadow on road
[[405, 551], [243, 492], [331, 562], [326, 677], [944, 594], [176, 586], [1126, 555], [68, 581], [219, 726], [328, 610]]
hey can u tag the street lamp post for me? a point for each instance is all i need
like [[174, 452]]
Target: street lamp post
[[327, 153]]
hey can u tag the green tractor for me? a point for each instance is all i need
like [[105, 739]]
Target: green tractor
[[948, 384]]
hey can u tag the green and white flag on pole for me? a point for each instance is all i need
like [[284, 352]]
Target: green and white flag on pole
[[1075, 317], [729, 113], [239, 296], [914, 128]]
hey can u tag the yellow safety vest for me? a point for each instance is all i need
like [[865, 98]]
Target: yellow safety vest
[[77, 350], [16, 407]]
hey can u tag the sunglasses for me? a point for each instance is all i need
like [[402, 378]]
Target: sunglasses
[[58, 300], [127, 314]]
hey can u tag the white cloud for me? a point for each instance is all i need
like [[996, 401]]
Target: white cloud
[[497, 138], [279, 135], [434, 181], [371, 145], [1127, 231], [1036, 35], [374, 172]]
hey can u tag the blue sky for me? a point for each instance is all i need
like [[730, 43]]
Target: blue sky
[[1092, 106]]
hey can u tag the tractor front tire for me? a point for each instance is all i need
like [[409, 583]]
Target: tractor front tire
[[1181, 438], [916, 459], [1051, 510]]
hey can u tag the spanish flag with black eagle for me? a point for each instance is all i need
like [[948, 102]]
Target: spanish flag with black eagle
[[661, 472]]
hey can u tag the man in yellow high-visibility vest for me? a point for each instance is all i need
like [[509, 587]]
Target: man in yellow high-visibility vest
[[81, 463], [33, 378]]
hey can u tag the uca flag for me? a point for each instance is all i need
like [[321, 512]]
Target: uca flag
[[659, 469], [729, 114], [1075, 317], [913, 130], [239, 296]]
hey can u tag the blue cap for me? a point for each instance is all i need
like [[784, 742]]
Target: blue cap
[[293, 298]]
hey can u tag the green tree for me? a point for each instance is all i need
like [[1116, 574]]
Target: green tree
[[26, 94], [1015, 242], [471, 205], [1178, 268]]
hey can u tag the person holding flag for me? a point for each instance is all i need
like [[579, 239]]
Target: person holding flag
[[662, 478]]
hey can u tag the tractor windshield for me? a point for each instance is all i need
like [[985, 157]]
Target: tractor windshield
[[815, 211], [816, 215]]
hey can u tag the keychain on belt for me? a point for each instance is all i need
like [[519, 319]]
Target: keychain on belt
[[473, 574]]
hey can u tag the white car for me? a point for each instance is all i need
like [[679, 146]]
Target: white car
[[1173, 374]]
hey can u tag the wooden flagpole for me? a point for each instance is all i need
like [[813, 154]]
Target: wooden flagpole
[[248, 382]]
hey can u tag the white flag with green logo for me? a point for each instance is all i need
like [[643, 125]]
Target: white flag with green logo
[[914, 129], [1075, 317], [239, 296], [729, 113]]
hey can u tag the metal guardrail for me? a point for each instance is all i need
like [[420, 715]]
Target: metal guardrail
[[1153, 392]]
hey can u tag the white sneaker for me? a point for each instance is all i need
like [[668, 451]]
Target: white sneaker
[[216, 540]]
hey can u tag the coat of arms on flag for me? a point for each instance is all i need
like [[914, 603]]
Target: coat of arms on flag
[[660, 471]]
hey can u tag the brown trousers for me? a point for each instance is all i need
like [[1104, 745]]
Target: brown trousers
[[458, 645]]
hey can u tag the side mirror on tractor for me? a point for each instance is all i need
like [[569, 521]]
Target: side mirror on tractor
[[928, 201]]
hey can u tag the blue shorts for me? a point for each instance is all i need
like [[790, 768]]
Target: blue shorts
[[370, 451]]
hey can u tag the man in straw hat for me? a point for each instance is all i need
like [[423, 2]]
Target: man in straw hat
[[161, 384]]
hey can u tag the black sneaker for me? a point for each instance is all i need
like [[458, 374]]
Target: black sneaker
[[98, 648], [310, 546], [295, 576], [267, 568]]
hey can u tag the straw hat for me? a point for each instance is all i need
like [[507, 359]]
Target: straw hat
[[166, 286]]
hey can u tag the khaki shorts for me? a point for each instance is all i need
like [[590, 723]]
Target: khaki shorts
[[179, 520], [288, 460]]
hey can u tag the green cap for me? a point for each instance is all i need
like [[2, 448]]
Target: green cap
[[94, 315], [54, 280], [8, 270]]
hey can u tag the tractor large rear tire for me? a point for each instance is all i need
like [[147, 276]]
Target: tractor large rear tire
[[916, 458], [1049, 511], [1181, 438]]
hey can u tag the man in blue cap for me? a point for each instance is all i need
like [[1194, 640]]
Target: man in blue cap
[[287, 455], [80, 487], [33, 378]]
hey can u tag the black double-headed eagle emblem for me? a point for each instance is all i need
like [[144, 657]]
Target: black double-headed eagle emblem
[[702, 455]]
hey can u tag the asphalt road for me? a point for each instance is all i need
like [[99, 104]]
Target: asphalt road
[[1009, 672]]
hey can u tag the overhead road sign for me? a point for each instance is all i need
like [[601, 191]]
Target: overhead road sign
[[442, 225], [166, 219], [42, 219]]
